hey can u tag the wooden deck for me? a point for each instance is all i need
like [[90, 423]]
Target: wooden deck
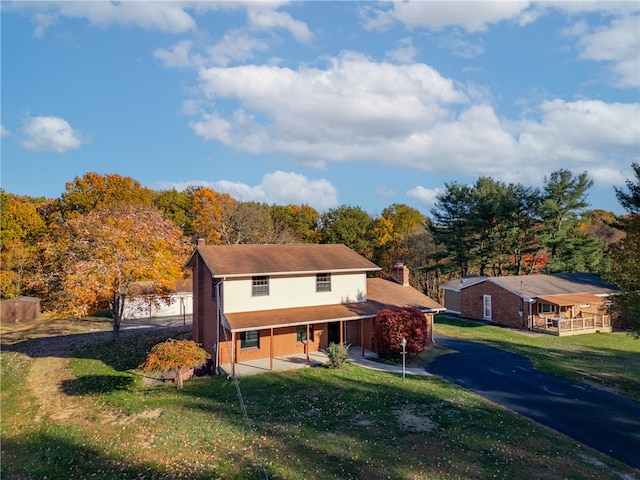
[[572, 326]]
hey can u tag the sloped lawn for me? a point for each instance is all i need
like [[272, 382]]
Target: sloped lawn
[[313, 423]]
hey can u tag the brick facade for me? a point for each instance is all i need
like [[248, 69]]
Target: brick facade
[[505, 305]]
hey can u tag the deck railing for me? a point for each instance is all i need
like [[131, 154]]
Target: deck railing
[[557, 324]]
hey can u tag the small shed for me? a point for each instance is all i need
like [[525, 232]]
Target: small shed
[[19, 309]]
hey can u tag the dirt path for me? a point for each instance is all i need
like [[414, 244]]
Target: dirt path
[[49, 370], [45, 379]]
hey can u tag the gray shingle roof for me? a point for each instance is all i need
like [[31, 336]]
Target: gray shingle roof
[[532, 286]]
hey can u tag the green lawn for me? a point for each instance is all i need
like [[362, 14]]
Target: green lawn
[[313, 423], [606, 360]]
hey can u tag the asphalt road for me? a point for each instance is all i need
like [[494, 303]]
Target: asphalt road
[[604, 421]]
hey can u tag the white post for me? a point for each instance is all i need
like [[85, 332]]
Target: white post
[[404, 356]]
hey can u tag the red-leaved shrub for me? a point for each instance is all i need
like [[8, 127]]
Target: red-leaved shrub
[[392, 325]]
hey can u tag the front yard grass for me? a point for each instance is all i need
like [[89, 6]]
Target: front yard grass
[[605, 360], [313, 423]]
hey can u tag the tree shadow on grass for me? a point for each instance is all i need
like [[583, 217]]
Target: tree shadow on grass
[[65, 456], [96, 384]]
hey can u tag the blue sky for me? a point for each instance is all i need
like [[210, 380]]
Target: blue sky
[[325, 103]]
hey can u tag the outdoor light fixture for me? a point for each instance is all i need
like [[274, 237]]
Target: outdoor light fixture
[[404, 356]]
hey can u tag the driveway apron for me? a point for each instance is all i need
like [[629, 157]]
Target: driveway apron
[[604, 421]]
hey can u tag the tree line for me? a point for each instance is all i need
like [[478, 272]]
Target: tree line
[[106, 232]]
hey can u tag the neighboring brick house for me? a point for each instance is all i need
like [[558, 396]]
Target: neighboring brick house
[[254, 302], [564, 304]]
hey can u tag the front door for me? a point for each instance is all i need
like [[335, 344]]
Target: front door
[[333, 332]]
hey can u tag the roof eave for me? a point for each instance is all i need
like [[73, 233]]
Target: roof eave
[[301, 272]]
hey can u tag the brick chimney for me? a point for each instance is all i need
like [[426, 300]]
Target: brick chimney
[[400, 273], [202, 242]]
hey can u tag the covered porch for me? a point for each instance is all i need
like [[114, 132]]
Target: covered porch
[[571, 314], [278, 364], [290, 338]]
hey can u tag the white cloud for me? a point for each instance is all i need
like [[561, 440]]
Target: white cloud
[[405, 52], [179, 56], [43, 20], [168, 17], [617, 44], [384, 192], [459, 46], [587, 132], [344, 112], [407, 116], [261, 18], [426, 196], [471, 16], [51, 134], [4, 132], [235, 46], [280, 188]]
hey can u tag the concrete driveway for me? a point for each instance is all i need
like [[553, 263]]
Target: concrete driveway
[[601, 420]]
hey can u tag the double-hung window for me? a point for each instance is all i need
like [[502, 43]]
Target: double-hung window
[[323, 282], [260, 286], [250, 339]]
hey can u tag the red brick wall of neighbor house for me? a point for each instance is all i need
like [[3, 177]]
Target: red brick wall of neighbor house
[[505, 306]]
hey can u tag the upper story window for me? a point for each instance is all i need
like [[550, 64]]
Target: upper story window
[[260, 286], [323, 282]]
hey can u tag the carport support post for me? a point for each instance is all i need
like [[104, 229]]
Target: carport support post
[[233, 354], [307, 344], [271, 349], [404, 356], [341, 336], [362, 335]]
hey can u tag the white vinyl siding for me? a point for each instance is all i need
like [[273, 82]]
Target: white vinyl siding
[[292, 292]]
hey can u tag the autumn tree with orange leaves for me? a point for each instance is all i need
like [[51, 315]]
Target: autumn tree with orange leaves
[[94, 190], [208, 208], [174, 356], [96, 257]]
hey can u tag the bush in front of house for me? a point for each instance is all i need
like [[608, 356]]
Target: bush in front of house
[[176, 357], [337, 353], [394, 324]]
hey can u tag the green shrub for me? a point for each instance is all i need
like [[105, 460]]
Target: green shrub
[[338, 353]]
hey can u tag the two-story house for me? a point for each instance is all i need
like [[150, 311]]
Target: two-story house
[[256, 302]]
